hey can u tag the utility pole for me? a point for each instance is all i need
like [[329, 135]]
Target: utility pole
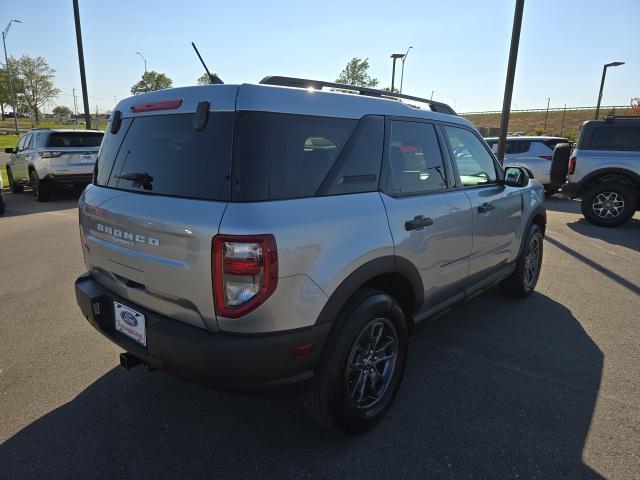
[[564, 112], [432, 92], [604, 74], [546, 116], [75, 104], [5, 32], [83, 77], [395, 57], [511, 73], [402, 72]]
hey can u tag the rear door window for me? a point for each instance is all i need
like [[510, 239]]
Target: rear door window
[[74, 139], [415, 159], [165, 155]]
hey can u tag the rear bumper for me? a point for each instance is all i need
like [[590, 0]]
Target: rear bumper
[[220, 360], [69, 179]]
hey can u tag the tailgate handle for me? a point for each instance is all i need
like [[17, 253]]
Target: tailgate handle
[[130, 283]]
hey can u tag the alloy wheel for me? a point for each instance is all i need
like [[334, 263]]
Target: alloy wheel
[[608, 205]]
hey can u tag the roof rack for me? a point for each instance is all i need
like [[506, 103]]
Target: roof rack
[[369, 92], [609, 117]]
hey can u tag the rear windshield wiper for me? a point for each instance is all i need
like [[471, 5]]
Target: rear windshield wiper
[[143, 179]]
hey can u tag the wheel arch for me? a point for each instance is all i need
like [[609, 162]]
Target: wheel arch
[[391, 274], [610, 175]]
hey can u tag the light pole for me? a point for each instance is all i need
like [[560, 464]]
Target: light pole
[[144, 60], [432, 92], [402, 72], [395, 57], [546, 115], [604, 74], [6, 62], [511, 74]]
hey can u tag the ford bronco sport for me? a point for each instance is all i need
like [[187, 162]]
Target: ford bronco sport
[[260, 236], [604, 170]]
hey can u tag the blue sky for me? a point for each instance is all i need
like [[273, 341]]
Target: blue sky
[[460, 47]]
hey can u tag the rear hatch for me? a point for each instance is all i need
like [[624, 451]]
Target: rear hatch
[[161, 186], [73, 152]]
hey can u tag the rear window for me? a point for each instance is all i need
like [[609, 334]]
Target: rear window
[[552, 143], [74, 139], [166, 155]]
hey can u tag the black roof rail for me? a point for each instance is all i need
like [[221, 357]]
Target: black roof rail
[[609, 118], [369, 92]]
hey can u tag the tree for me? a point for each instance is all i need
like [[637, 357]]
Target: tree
[[37, 81], [635, 106], [62, 110], [204, 79], [5, 91], [357, 73], [151, 81]]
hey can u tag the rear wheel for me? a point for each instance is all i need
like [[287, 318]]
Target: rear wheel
[[12, 184], [361, 366], [609, 204], [40, 190], [2, 204], [522, 282], [550, 190]]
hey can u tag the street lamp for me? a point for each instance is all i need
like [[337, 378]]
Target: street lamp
[[604, 74], [6, 62], [402, 73], [395, 57], [144, 60]]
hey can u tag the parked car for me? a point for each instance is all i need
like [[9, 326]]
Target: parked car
[[270, 235], [534, 154], [50, 158], [604, 170]]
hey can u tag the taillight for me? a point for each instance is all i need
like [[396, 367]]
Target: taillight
[[244, 272], [52, 154], [546, 157], [571, 166]]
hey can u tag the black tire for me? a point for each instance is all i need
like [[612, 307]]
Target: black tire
[[335, 399], [2, 205], [40, 190], [560, 164], [609, 195], [12, 185], [550, 190], [522, 282]]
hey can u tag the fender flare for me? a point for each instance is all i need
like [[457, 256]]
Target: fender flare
[[536, 211], [366, 272]]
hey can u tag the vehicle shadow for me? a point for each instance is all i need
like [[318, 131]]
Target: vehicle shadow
[[506, 393], [25, 203], [558, 203], [627, 235]]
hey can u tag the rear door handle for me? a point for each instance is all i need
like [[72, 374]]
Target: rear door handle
[[418, 222], [486, 207]]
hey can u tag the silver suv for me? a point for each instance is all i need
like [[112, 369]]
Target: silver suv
[[50, 158], [604, 170], [534, 154], [269, 235]]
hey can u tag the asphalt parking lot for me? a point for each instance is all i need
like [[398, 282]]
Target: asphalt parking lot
[[547, 387]]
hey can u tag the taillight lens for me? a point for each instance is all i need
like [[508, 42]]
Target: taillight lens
[[52, 154], [572, 166], [547, 157], [244, 272]]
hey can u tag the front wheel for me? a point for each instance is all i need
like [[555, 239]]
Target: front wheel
[[361, 366], [522, 282], [609, 204]]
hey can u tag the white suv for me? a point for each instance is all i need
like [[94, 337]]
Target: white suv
[[47, 158], [534, 154]]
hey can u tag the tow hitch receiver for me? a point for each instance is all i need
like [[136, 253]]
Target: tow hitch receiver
[[128, 361]]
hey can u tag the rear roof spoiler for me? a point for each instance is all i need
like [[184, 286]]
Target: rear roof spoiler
[[366, 91]]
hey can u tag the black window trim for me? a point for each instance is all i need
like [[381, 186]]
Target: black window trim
[[496, 164], [385, 176]]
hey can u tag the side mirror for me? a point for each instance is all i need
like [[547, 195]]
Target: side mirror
[[516, 177], [9, 150]]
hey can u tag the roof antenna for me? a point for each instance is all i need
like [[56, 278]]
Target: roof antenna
[[213, 78]]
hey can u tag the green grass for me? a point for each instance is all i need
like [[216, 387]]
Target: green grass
[[6, 141], [3, 172]]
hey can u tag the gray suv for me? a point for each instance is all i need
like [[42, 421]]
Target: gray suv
[[604, 170], [277, 235]]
